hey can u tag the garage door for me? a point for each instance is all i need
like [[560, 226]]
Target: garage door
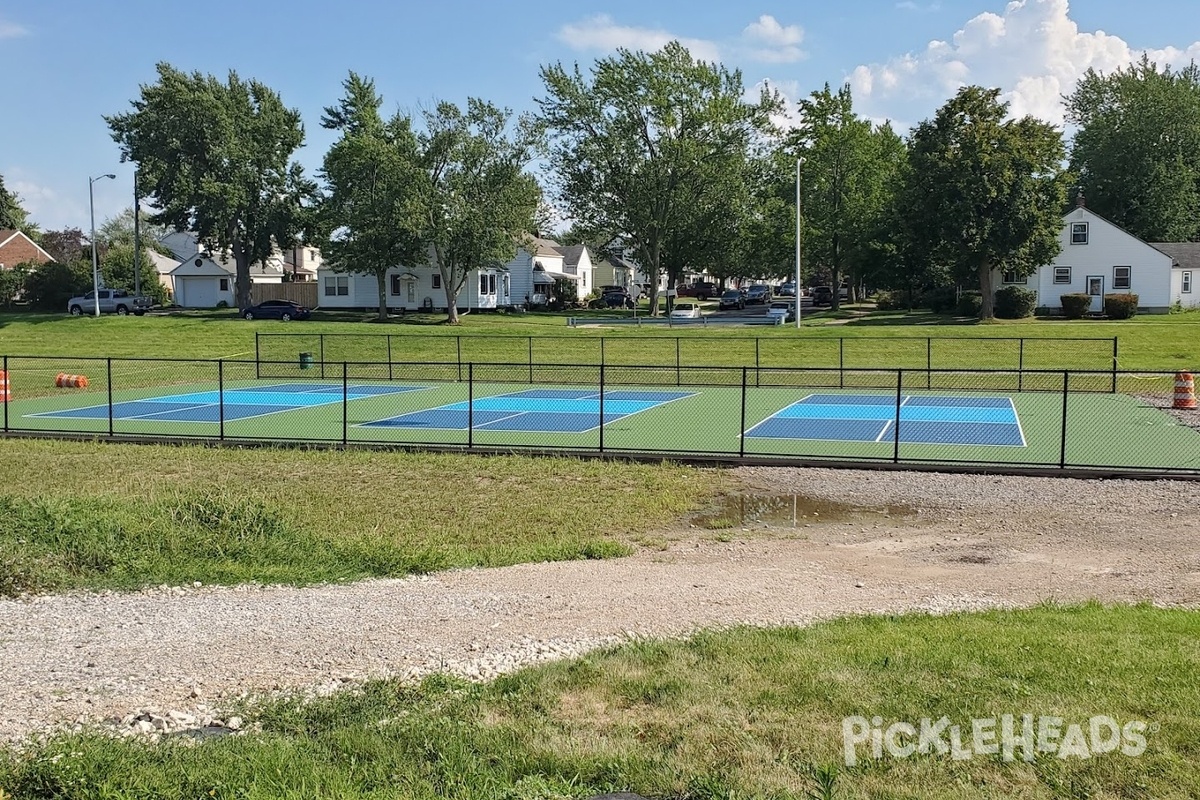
[[198, 293]]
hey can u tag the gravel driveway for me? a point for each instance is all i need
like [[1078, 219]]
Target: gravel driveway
[[949, 543]]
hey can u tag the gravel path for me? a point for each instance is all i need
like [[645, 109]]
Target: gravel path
[[957, 542]]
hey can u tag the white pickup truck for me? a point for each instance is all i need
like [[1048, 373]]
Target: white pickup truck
[[112, 301]]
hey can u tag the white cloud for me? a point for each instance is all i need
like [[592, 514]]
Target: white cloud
[[765, 40], [789, 92], [1033, 51], [601, 34], [11, 30], [909, 5]]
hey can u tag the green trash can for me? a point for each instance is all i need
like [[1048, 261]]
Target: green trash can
[[306, 361]]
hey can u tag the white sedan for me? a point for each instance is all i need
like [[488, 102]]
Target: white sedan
[[685, 311]]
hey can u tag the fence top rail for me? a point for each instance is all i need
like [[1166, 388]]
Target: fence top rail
[[814, 336]]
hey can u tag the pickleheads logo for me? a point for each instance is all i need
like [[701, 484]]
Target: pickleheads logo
[[1008, 736]]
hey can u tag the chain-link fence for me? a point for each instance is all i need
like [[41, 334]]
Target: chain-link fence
[[1090, 420]]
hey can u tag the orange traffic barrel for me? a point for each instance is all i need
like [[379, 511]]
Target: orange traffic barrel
[[1185, 390], [65, 381], [5, 387]]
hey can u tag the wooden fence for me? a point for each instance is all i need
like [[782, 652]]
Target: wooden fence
[[304, 293]]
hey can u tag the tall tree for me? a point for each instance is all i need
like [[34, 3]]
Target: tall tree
[[371, 214], [844, 177], [214, 158], [12, 215], [1137, 149], [986, 192], [119, 229], [635, 145], [477, 202], [66, 246]]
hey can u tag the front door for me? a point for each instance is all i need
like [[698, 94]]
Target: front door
[[1095, 288]]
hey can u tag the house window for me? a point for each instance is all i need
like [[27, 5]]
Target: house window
[[483, 284], [1012, 277], [437, 281], [224, 284], [1062, 274], [1121, 278], [491, 284], [337, 286], [412, 291], [1187, 282], [506, 285], [1079, 233], [395, 288]]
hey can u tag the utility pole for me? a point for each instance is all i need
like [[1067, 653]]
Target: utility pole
[[799, 161], [137, 239]]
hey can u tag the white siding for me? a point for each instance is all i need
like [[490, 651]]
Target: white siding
[[1190, 299]]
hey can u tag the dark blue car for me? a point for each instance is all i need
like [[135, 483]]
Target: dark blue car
[[285, 310]]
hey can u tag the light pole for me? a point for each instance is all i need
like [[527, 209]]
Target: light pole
[[799, 161], [95, 262]]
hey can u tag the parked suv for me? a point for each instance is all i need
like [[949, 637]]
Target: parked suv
[[822, 296], [733, 298], [759, 293], [701, 290], [112, 301]]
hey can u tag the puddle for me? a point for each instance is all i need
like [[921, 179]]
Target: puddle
[[732, 511]]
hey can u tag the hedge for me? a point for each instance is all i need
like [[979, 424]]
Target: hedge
[[1013, 302], [1074, 306], [1120, 306], [969, 304]]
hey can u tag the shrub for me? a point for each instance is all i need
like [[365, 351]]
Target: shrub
[[51, 285], [1120, 306], [941, 301], [969, 304], [898, 300], [1013, 302], [1074, 306]]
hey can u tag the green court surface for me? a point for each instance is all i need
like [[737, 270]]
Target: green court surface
[[820, 416]]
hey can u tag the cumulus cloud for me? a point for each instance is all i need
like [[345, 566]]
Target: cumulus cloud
[[1033, 51], [788, 91], [909, 5], [11, 30], [766, 40]]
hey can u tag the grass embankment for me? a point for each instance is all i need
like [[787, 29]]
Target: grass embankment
[[85, 515], [735, 715]]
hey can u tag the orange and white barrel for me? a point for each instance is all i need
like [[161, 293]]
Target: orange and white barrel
[[1185, 390]]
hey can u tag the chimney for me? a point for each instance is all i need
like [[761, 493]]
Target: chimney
[[1080, 202]]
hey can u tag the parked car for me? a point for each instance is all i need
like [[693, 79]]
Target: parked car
[[685, 311], [787, 289], [701, 290], [112, 301], [285, 310], [733, 298], [617, 299], [822, 296], [759, 293], [784, 310]]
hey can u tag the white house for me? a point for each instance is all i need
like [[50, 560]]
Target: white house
[[1096, 257], [200, 282], [1185, 268], [163, 267]]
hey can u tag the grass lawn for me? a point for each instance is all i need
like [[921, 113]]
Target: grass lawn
[[122, 516], [733, 715], [1161, 342]]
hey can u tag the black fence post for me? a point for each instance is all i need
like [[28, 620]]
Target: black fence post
[[321, 350], [345, 403], [458, 350], [928, 362], [678, 380], [389, 348], [531, 360], [221, 400], [899, 401], [742, 425], [602, 351], [601, 408], [7, 393], [257, 357], [1021, 364], [841, 362], [1114, 366], [108, 380], [1062, 450], [470, 405]]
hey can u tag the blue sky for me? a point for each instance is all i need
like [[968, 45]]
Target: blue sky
[[69, 62]]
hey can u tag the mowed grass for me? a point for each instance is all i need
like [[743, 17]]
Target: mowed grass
[[93, 515], [1148, 342], [734, 715]]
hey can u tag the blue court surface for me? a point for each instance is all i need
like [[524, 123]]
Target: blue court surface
[[238, 403], [927, 419], [534, 410]]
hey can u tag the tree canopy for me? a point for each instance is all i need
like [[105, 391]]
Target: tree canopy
[[12, 215], [214, 157], [1137, 150], [986, 192]]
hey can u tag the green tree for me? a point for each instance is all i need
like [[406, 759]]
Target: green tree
[[67, 245], [214, 158], [477, 202], [371, 213], [844, 179], [635, 146], [985, 192], [12, 215], [117, 269], [1137, 149], [12, 281], [119, 229], [49, 286]]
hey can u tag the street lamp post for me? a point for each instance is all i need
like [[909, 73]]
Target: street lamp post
[[95, 261], [798, 214]]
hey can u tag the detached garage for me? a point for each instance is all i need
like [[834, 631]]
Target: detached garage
[[201, 282]]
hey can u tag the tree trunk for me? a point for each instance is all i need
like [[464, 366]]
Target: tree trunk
[[451, 299], [835, 277], [241, 282], [382, 285], [986, 306]]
